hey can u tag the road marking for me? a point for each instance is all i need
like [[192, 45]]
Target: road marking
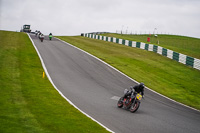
[[115, 98]]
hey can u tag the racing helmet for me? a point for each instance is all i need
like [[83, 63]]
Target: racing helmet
[[141, 85]]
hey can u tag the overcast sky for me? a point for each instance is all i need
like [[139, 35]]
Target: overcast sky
[[73, 17]]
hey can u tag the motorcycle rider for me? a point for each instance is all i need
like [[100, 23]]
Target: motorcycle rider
[[50, 36], [41, 37], [138, 89]]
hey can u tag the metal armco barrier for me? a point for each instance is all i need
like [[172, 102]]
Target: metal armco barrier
[[184, 59]]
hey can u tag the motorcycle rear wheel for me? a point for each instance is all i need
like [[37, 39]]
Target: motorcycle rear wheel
[[134, 107]]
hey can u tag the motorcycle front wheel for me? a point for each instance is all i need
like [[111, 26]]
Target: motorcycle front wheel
[[120, 103], [134, 107]]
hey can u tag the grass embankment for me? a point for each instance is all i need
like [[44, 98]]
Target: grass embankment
[[161, 74], [29, 103], [181, 44]]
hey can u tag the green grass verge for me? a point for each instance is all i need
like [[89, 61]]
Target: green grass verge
[[166, 76], [181, 44], [28, 102]]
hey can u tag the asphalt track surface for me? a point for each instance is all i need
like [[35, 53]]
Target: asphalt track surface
[[92, 86]]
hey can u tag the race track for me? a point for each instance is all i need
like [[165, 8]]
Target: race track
[[94, 87]]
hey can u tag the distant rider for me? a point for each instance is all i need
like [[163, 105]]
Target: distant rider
[[41, 37], [50, 36], [138, 89]]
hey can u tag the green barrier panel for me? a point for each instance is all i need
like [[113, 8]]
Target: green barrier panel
[[123, 42], [164, 52], [111, 40], [155, 48], [117, 40], [107, 39], [175, 56], [130, 43], [190, 61], [146, 47], [138, 44]]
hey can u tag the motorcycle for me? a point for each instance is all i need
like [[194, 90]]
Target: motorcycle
[[41, 37], [50, 37], [130, 102]]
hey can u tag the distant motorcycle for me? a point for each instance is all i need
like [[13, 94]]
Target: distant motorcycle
[[50, 37], [41, 37], [131, 102]]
